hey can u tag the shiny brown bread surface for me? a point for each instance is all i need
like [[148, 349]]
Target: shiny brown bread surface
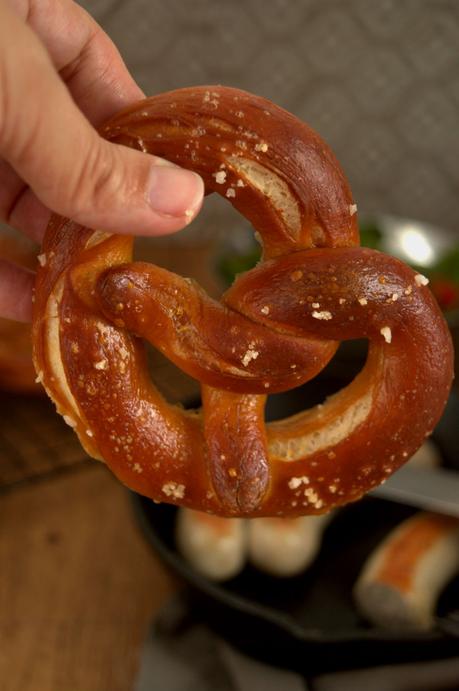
[[275, 328]]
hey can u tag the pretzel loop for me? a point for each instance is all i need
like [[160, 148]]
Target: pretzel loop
[[275, 328]]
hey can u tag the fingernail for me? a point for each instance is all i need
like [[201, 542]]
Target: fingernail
[[175, 191]]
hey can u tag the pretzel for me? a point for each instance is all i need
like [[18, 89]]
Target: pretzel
[[275, 328]]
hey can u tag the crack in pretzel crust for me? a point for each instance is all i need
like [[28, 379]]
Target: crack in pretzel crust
[[274, 329]]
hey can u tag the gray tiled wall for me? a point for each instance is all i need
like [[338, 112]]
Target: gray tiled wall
[[379, 79]]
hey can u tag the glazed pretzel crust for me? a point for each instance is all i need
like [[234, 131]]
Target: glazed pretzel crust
[[274, 329]]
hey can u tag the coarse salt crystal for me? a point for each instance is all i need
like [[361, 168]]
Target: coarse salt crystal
[[421, 280], [230, 192], [174, 490], [386, 333], [220, 177], [249, 355], [363, 301], [265, 309], [311, 495], [295, 482], [352, 209], [261, 147], [42, 259], [322, 315]]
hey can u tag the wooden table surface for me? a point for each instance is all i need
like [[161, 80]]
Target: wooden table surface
[[78, 584]]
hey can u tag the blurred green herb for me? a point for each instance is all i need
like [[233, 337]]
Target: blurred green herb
[[370, 235], [232, 263]]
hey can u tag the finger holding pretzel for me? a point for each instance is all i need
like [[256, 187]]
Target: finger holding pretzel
[[60, 78]]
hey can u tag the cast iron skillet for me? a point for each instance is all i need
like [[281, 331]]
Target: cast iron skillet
[[309, 623]]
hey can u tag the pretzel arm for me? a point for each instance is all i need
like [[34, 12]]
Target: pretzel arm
[[269, 165], [208, 340], [237, 451]]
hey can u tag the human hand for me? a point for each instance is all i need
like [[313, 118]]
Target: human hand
[[60, 77]]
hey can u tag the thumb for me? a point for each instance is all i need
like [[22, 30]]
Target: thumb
[[74, 172]]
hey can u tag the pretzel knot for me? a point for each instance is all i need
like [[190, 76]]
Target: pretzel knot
[[274, 329]]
